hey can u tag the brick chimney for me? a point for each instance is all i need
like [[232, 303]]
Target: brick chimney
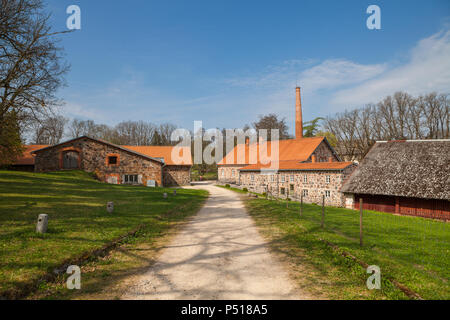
[[298, 115]]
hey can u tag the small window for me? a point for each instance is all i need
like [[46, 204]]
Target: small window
[[273, 178], [112, 160], [327, 179], [282, 191], [305, 179], [305, 192], [232, 173], [282, 179], [291, 187], [223, 173], [292, 178], [253, 177], [327, 193]]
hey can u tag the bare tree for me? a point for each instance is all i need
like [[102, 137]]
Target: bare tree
[[271, 121], [30, 62], [49, 131], [396, 117]]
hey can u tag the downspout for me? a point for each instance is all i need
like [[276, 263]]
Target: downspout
[[162, 173]]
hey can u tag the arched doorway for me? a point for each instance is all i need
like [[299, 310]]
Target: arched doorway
[[71, 160]]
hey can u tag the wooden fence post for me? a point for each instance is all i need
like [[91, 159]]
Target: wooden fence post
[[360, 222], [323, 210], [301, 204]]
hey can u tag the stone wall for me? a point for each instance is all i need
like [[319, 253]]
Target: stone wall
[[323, 153], [177, 175], [93, 158], [316, 184], [228, 173]]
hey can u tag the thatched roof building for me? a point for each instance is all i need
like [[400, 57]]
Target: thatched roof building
[[403, 172]]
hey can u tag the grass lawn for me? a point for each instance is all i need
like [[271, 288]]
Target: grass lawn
[[411, 250], [78, 221], [195, 175]]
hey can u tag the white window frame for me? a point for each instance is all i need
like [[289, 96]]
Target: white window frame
[[291, 178], [328, 179], [327, 193], [305, 192], [282, 178], [252, 177], [305, 178]]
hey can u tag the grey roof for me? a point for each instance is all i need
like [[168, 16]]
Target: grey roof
[[414, 168]]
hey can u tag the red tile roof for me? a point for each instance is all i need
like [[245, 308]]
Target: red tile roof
[[27, 158], [297, 165], [164, 152], [292, 149]]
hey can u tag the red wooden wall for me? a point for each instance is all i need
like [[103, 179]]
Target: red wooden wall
[[427, 208]]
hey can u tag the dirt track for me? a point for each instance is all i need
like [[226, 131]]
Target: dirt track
[[218, 255]]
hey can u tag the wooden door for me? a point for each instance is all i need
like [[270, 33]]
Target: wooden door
[[70, 160]]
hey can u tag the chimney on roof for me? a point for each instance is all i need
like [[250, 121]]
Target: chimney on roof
[[330, 159], [313, 158], [298, 115], [247, 140]]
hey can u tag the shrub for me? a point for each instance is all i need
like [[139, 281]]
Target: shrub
[[245, 190], [227, 185], [264, 194]]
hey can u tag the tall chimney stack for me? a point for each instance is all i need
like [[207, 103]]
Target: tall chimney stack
[[298, 115]]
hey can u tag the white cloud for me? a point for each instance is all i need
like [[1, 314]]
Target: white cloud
[[428, 69]]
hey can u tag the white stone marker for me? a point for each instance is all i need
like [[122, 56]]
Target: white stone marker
[[175, 192], [165, 195], [42, 223], [110, 207]]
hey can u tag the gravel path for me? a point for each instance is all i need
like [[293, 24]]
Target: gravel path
[[219, 254]]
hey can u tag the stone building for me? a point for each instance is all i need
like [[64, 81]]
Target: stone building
[[408, 177], [295, 179], [147, 165], [305, 166]]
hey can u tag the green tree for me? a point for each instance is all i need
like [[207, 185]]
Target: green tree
[[311, 128]]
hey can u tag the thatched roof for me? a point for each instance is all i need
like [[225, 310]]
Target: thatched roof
[[415, 168]]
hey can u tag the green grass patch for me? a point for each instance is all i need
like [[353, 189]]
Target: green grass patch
[[78, 221], [412, 250]]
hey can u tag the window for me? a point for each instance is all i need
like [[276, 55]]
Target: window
[[273, 178], [282, 178], [253, 177], [327, 193], [292, 178], [282, 191], [130, 178], [305, 192], [327, 179], [291, 187], [112, 160], [305, 179], [232, 173], [223, 173]]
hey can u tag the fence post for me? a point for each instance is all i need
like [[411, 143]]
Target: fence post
[[360, 222], [287, 198], [323, 210], [301, 204]]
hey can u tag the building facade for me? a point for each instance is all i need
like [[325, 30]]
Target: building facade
[[115, 164], [309, 181]]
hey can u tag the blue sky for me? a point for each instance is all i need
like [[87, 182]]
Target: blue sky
[[226, 62]]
